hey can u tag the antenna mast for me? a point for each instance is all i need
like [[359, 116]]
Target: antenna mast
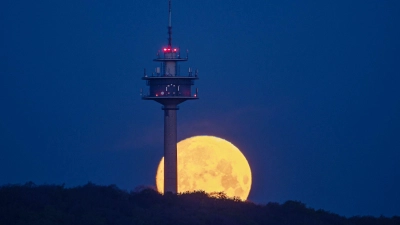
[[169, 88], [169, 25]]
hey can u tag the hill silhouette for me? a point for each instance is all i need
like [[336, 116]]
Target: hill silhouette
[[93, 204]]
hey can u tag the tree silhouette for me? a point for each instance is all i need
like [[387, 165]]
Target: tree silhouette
[[99, 205]]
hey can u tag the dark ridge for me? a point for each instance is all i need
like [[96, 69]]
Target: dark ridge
[[94, 204]]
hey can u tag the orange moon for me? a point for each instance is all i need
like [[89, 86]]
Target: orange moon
[[210, 164]]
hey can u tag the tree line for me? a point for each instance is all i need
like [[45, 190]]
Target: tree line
[[100, 205]]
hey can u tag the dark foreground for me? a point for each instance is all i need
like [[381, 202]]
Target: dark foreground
[[93, 204]]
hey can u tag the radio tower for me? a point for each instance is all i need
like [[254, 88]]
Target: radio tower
[[169, 88]]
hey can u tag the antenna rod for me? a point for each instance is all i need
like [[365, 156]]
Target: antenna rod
[[169, 26]]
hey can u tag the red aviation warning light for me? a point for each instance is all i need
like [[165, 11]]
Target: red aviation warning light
[[166, 50]]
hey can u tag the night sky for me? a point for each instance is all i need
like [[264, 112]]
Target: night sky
[[308, 90]]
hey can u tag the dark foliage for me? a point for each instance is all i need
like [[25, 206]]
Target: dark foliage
[[92, 204]]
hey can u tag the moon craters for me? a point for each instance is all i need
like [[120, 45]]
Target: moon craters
[[227, 179]]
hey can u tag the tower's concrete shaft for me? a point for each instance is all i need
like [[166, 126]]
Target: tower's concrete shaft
[[170, 149]]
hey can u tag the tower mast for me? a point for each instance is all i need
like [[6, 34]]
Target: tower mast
[[169, 25], [169, 88]]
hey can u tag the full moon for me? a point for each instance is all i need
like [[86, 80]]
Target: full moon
[[209, 164]]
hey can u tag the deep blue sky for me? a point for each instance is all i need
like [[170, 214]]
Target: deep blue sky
[[308, 90]]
